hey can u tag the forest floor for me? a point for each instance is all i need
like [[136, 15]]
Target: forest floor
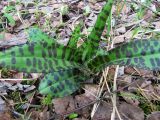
[[136, 93]]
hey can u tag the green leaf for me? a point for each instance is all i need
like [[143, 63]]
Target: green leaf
[[75, 36], [36, 35], [62, 83], [10, 18], [73, 115], [38, 57], [91, 45], [141, 54], [9, 9], [47, 100]]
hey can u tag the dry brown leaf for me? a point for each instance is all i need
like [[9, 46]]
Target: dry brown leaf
[[17, 76], [149, 91], [11, 39], [148, 15], [36, 75], [127, 112], [119, 39], [157, 25], [121, 30], [6, 116], [64, 105], [154, 116], [130, 112], [103, 112], [81, 101], [24, 25], [80, 5], [91, 91], [141, 72], [6, 36], [39, 115]]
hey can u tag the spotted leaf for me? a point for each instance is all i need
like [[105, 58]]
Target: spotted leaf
[[38, 57], [36, 35], [141, 54], [62, 83], [90, 47]]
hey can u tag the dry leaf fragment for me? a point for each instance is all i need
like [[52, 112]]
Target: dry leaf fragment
[[130, 112], [64, 105], [154, 116], [121, 29], [119, 39]]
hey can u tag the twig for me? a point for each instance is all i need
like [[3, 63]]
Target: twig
[[113, 115], [100, 89], [30, 102], [90, 93], [112, 100]]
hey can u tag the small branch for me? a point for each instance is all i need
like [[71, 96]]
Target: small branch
[[113, 115], [100, 89]]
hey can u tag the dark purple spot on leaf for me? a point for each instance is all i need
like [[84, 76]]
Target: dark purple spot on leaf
[[157, 61], [31, 48], [107, 12], [23, 69], [34, 62], [152, 62], [49, 82], [2, 64], [13, 60], [138, 43], [128, 53], [28, 62], [59, 87], [156, 43], [143, 53], [152, 50], [56, 77], [142, 61], [135, 48], [34, 70], [21, 51], [128, 62], [103, 18], [64, 52], [54, 51], [49, 52], [45, 65], [43, 54], [136, 60], [13, 53], [45, 44], [61, 73], [44, 71], [40, 64], [53, 89], [67, 82]]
